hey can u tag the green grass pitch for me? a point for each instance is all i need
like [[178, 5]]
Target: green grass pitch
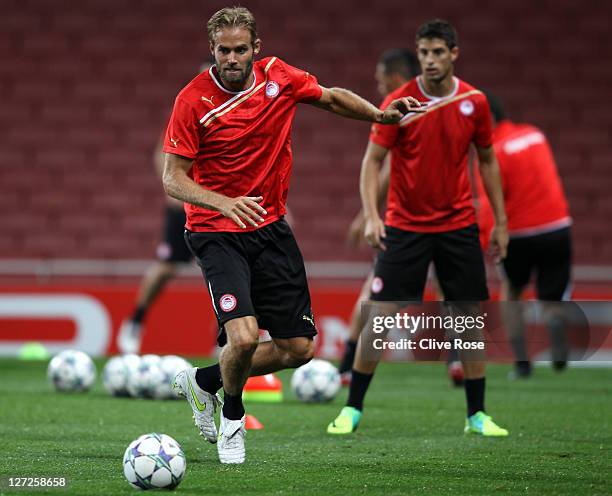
[[410, 441]]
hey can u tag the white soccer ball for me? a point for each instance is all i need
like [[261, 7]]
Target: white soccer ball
[[171, 365], [116, 372], [317, 381], [154, 461], [146, 379], [71, 370]]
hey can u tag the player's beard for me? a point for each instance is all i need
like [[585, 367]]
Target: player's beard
[[237, 78]]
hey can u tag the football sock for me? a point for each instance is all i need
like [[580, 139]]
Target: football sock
[[523, 368], [349, 356], [474, 394], [209, 378], [359, 386], [233, 409], [139, 314]]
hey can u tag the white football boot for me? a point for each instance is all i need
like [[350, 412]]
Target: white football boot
[[202, 403], [231, 440], [129, 338]]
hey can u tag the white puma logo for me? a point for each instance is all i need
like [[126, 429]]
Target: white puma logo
[[209, 100], [308, 319], [174, 142]]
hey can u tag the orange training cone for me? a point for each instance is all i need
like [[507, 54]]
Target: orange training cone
[[264, 388], [252, 424]]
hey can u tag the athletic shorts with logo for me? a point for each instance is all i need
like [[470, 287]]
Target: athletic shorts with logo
[[400, 271], [548, 256], [259, 273], [173, 247]]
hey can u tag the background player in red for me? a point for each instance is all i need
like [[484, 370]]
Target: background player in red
[[394, 68], [228, 157], [171, 253], [430, 215], [539, 229]]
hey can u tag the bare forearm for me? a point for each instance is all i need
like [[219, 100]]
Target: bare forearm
[[384, 178], [348, 104], [491, 179], [179, 185], [368, 187]]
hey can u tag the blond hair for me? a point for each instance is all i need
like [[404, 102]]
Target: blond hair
[[233, 17]]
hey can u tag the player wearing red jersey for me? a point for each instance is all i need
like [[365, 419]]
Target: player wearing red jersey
[[430, 216], [228, 157], [171, 253], [539, 228]]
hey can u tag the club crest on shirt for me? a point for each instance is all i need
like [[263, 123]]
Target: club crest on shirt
[[466, 107], [227, 302], [272, 89]]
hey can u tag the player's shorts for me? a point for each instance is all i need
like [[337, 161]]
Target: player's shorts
[[173, 247], [549, 256], [400, 272], [259, 273]]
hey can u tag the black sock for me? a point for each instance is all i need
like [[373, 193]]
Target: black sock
[[359, 388], [209, 378], [475, 394], [233, 409], [139, 314], [349, 356], [523, 368]]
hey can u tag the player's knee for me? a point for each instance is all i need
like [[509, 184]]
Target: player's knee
[[244, 344], [243, 337]]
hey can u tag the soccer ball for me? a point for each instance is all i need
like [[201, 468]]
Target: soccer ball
[[71, 370], [146, 379], [116, 373], [317, 381], [154, 461], [171, 365]]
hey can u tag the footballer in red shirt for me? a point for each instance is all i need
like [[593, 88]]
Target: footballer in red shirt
[[430, 215], [539, 229], [228, 157]]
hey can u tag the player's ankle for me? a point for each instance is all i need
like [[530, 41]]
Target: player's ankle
[[233, 409], [209, 378]]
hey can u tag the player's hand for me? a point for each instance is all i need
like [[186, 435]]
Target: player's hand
[[375, 232], [400, 107], [244, 210], [355, 234], [498, 246]]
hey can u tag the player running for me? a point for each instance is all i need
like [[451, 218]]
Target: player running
[[430, 215], [228, 157], [539, 228]]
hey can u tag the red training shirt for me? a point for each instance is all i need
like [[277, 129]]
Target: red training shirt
[[430, 187], [240, 141], [533, 194]]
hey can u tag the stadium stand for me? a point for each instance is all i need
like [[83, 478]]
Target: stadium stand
[[87, 88]]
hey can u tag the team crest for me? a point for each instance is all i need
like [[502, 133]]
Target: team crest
[[377, 285], [227, 302], [272, 89], [466, 107]]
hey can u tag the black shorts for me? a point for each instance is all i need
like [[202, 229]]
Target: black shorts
[[173, 247], [400, 272], [549, 256], [259, 273]]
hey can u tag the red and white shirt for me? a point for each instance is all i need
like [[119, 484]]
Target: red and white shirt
[[533, 194], [430, 187], [240, 141]]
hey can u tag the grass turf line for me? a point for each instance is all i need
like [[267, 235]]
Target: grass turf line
[[410, 440]]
